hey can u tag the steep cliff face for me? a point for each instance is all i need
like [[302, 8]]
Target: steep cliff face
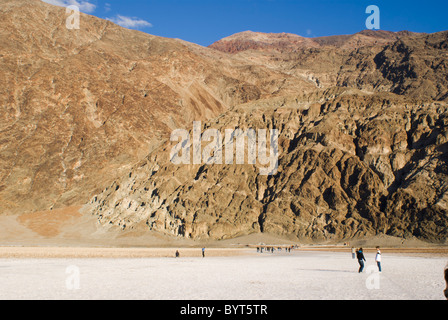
[[79, 107], [350, 165]]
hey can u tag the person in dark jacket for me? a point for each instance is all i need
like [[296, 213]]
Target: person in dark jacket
[[361, 259], [446, 281]]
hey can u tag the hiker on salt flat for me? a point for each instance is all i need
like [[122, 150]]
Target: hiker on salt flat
[[361, 259], [378, 258]]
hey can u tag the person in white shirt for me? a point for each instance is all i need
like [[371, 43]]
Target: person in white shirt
[[378, 258]]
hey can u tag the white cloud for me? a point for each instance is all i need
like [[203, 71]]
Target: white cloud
[[128, 22], [83, 6]]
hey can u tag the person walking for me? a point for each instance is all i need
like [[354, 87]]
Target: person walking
[[203, 252], [361, 259], [353, 253], [378, 258]]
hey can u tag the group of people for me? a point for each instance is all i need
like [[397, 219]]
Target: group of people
[[359, 254], [271, 249]]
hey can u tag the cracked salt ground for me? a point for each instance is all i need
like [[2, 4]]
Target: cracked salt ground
[[295, 276]]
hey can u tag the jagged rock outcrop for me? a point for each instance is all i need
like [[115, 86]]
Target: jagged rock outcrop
[[350, 165]]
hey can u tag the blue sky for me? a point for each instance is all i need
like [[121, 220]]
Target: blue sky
[[206, 21]]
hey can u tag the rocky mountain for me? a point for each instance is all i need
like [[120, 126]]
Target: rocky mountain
[[351, 164], [287, 42], [248, 40], [79, 107], [87, 116], [405, 63]]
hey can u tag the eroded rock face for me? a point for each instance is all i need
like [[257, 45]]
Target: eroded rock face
[[350, 164], [80, 107], [405, 63], [362, 123]]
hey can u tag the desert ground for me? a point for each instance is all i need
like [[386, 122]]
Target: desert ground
[[70, 228], [299, 275], [85, 135], [64, 255]]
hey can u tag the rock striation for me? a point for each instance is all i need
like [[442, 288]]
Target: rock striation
[[86, 117], [79, 107], [351, 164]]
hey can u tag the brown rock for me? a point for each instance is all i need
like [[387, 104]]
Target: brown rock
[[362, 121], [335, 179]]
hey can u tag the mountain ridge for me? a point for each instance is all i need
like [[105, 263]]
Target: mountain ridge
[[87, 116], [99, 97], [288, 42]]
